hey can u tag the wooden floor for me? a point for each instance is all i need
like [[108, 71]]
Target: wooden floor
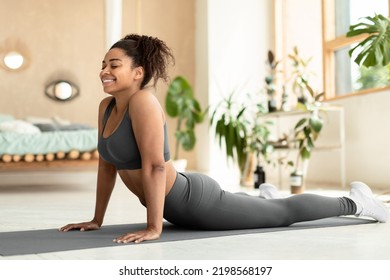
[[41, 200]]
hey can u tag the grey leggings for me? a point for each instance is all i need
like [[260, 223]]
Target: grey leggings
[[197, 201]]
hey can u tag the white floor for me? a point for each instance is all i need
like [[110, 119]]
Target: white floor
[[38, 201]]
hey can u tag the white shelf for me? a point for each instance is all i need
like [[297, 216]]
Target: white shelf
[[338, 146]]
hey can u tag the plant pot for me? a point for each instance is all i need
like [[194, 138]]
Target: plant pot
[[259, 176], [247, 172], [180, 165], [297, 182], [272, 105]]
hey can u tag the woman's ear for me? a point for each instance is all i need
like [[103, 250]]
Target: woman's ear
[[139, 73]]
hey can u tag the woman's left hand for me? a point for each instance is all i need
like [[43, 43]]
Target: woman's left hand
[[138, 236]]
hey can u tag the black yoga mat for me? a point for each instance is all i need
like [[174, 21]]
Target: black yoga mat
[[51, 240]]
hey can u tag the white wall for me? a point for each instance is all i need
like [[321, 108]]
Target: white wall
[[239, 34], [231, 49], [367, 140], [366, 135], [202, 149]]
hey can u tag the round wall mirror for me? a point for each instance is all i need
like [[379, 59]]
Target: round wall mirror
[[62, 90]]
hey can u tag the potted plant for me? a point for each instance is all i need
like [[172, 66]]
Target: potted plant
[[300, 77], [231, 128], [180, 103], [373, 53], [308, 128], [260, 146], [244, 136], [375, 49], [306, 132]]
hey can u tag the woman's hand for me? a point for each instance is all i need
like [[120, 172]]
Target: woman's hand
[[138, 236], [92, 225]]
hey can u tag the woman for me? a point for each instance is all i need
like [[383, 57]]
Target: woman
[[133, 143]]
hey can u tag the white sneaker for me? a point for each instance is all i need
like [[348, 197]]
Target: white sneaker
[[269, 191], [371, 207]]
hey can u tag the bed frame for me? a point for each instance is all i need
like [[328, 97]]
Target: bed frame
[[59, 161]]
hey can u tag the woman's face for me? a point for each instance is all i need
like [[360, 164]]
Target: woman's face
[[117, 72]]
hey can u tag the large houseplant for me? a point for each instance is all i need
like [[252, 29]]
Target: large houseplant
[[375, 49], [242, 133], [181, 103], [306, 132], [231, 128], [373, 53], [308, 128]]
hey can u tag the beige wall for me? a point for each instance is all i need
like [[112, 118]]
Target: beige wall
[[62, 43], [65, 39], [174, 22]]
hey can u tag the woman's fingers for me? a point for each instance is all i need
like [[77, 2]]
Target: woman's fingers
[[137, 237], [68, 227], [80, 226]]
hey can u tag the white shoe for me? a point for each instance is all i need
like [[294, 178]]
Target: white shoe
[[269, 191], [371, 207]]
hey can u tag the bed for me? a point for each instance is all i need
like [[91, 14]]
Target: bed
[[45, 142]]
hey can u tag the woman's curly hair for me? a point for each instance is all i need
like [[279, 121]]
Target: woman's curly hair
[[150, 53]]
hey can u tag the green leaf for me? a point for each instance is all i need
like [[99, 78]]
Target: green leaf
[[301, 106], [305, 153], [187, 139], [374, 50], [180, 103], [171, 106], [271, 57], [310, 143], [229, 140], [319, 96], [307, 130], [315, 123], [241, 113], [300, 123]]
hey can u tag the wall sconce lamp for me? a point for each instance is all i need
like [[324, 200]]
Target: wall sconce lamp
[[13, 60], [13, 56]]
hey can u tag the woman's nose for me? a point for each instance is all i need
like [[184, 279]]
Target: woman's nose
[[104, 71]]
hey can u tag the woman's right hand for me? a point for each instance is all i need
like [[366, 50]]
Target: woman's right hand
[[92, 225]]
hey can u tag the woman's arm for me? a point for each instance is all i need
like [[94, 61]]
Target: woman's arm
[[148, 124], [106, 178], [105, 184]]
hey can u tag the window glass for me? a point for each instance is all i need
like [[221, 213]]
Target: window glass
[[349, 77], [349, 12]]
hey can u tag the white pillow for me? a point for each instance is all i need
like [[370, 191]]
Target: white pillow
[[39, 120], [6, 117], [60, 121], [19, 126]]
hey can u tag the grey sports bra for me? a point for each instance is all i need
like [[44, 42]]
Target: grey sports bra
[[120, 148]]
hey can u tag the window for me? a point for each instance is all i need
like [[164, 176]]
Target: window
[[342, 76]]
